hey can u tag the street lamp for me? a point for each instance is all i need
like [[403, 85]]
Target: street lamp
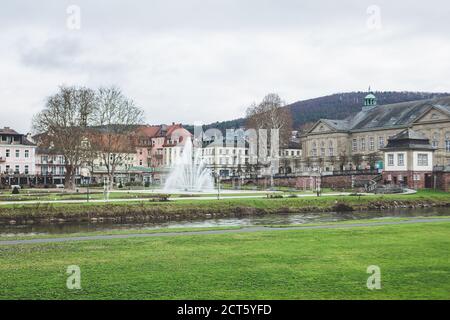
[[87, 182], [217, 175]]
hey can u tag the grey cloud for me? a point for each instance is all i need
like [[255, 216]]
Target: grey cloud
[[53, 53]]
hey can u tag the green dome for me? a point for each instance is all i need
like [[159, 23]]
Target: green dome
[[370, 96]]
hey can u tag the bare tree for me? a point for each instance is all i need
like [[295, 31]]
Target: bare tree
[[271, 113], [62, 126], [357, 159], [115, 119], [343, 159]]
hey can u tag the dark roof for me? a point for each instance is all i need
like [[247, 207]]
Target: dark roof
[[409, 134], [390, 115], [7, 130], [409, 139], [27, 142], [294, 145], [45, 150]]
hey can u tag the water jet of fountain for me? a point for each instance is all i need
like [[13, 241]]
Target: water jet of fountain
[[189, 172]]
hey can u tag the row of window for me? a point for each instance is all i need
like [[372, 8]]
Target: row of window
[[291, 153], [57, 159], [17, 169], [225, 151], [362, 144], [322, 150], [52, 170], [10, 139], [17, 153], [422, 160]]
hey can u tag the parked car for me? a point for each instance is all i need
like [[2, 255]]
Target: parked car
[[59, 186], [16, 186]]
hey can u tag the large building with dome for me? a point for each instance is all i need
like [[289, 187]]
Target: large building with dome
[[357, 142]]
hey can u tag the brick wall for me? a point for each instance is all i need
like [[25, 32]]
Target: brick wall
[[400, 177], [443, 181]]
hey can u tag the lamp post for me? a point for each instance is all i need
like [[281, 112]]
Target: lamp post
[[319, 182], [217, 175]]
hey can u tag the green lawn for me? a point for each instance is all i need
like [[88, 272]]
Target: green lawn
[[307, 264]]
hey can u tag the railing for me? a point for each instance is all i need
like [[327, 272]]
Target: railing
[[355, 172], [373, 184]]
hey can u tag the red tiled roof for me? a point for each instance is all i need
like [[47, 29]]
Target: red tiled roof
[[149, 131]]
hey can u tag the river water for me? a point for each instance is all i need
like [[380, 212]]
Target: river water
[[272, 219]]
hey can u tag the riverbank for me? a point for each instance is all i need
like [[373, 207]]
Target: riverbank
[[285, 264], [151, 211]]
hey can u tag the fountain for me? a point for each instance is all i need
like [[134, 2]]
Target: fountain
[[190, 172]]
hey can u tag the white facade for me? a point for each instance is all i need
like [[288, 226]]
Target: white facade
[[422, 161], [396, 161], [409, 161], [16, 156]]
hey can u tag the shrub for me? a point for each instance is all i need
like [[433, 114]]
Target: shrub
[[342, 207], [15, 190]]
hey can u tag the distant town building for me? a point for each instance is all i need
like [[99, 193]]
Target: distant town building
[[357, 142], [17, 156], [409, 160]]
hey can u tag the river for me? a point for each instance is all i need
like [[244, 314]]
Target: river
[[271, 219]]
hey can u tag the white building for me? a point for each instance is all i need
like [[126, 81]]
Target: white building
[[17, 154], [228, 159]]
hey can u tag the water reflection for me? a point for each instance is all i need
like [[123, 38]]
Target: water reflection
[[272, 219]]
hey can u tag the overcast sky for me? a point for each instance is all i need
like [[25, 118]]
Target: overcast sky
[[207, 60]]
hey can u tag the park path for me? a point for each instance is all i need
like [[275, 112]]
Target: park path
[[212, 232]]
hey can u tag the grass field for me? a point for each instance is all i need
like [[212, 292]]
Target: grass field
[[307, 264]]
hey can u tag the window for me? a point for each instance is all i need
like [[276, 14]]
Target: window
[[422, 159], [380, 142], [363, 144], [27, 153], [355, 145], [314, 150], [435, 140], [401, 159], [8, 152], [17, 153], [391, 160], [17, 170], [447, 142], [331, 152], [371, 144], [26, 169]]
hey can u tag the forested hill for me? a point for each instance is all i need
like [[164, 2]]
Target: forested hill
[[342, 105], [335, 106]]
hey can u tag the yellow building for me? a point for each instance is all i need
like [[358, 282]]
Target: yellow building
[[355, 143]]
